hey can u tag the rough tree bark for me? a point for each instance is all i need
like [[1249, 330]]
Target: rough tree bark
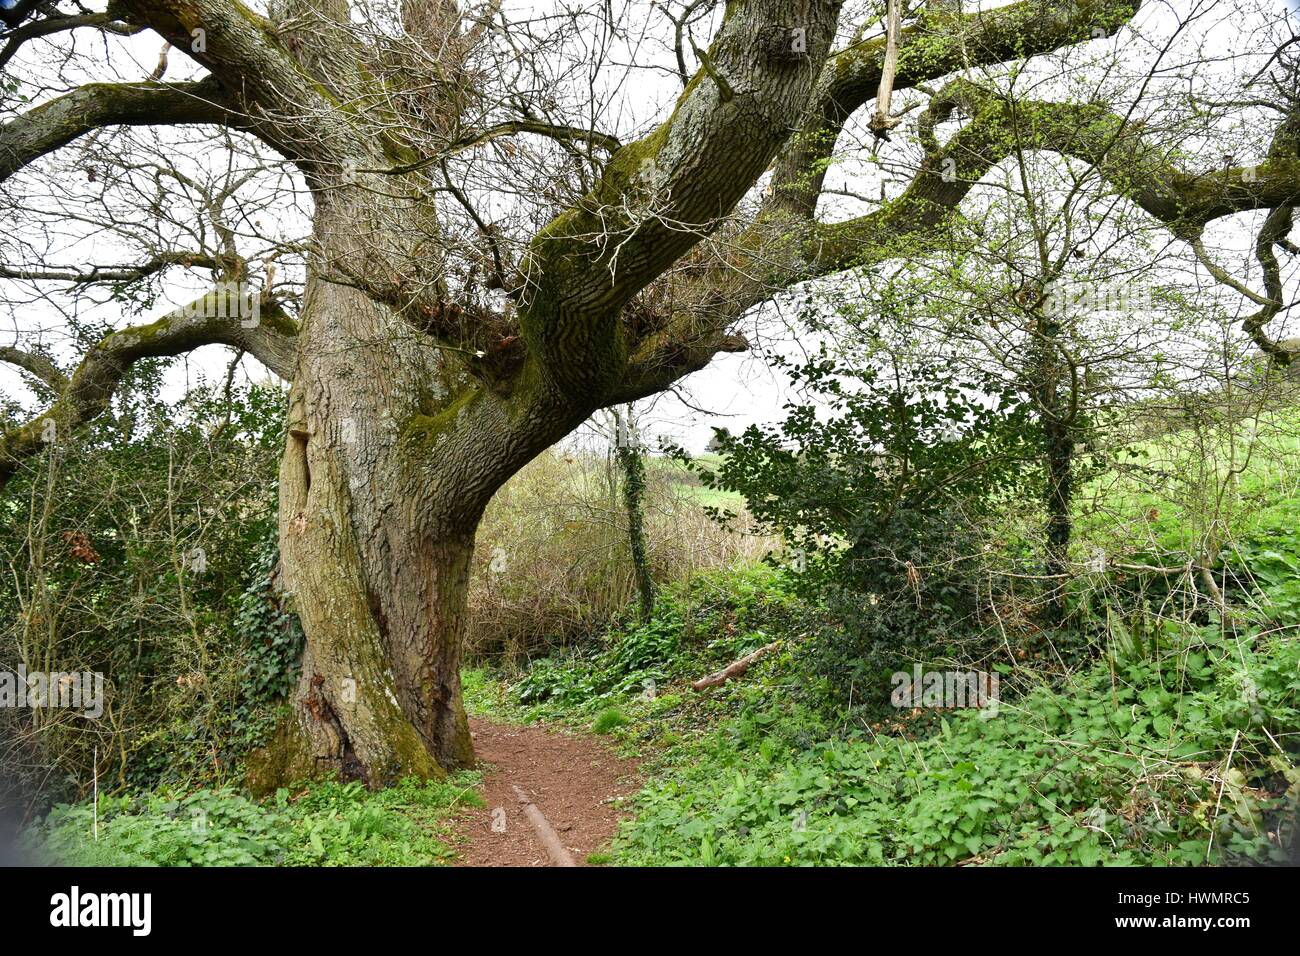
[[376, 544]]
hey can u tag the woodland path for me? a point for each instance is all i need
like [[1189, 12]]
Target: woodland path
[[570, 778]]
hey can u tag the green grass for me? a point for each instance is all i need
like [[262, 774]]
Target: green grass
[[321, 824], [687, 484], [713, 497], [487, 696], [1179, 491], [609, 719]]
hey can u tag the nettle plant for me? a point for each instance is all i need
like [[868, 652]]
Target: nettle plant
[[469, 231], [879, 482]]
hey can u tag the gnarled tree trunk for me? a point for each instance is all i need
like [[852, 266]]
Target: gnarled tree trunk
[[391, 455], [376, 549]]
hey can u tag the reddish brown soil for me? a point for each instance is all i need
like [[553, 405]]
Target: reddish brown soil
[[572, 779]]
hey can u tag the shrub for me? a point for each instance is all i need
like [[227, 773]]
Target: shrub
[[880, 498]]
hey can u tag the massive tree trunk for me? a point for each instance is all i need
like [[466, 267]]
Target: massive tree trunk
[[393, 450], [376, 548], [375, 573], [380, 589]]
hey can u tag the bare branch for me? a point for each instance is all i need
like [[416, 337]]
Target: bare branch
[[563, 134], [35, 364], [108, 22], [114, 273], [52, 125]]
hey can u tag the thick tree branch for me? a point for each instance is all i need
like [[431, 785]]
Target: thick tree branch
[[659, 196], [35, 364], [929, 50], [289, 108], [52, 125], [785, 246], [87, 393], [672, 357], [1184, 201], [1274, 231]]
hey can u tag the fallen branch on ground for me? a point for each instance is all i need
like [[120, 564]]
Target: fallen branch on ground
[[735, 668], [546, 834]]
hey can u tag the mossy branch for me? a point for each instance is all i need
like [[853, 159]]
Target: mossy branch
[[86, 394]]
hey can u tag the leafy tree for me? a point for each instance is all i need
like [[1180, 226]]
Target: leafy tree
[[878, 480]]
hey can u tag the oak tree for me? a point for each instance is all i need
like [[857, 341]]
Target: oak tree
[[439, 335]]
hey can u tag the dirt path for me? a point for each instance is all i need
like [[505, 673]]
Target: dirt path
[[571, 779]]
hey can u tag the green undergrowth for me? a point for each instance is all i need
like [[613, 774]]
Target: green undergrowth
[[320, 824], [1174, 748], [635, 680], [1142, 765]]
